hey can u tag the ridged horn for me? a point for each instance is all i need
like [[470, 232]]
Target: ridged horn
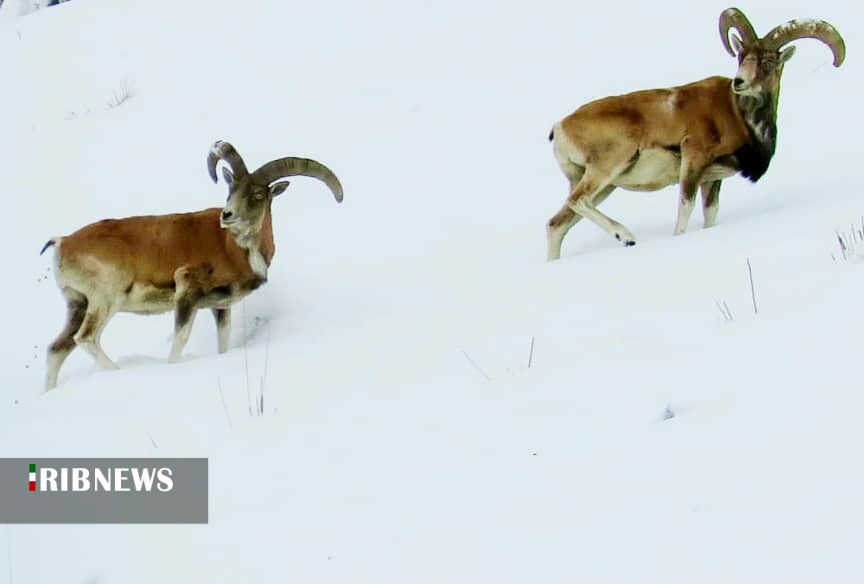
[[225, 151], [292, 166], [734, 18], [811, 29]]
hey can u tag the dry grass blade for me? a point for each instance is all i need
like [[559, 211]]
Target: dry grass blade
[[224, 405], [752, 287], [476, 366]]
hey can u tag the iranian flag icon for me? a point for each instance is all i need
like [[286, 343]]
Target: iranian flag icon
[[32, 477]]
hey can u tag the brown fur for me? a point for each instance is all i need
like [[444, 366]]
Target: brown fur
[[182, 239], [180, 262], [694, 135], [661, 117], [650, 139], [152, 264]]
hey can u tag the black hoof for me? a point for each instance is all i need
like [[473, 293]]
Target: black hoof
[[626, 242]]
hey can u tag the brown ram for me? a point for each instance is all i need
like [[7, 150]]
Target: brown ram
[[180, 262], [692, 135]]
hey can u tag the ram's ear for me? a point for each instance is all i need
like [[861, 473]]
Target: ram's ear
[[229, 178], [278, 188], [786, 54]]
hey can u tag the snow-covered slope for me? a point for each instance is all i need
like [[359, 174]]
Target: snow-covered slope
[[404, 436]]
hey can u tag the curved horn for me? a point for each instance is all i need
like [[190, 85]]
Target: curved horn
[[734, 18], [225, 151], [812, 29], [291, 166]]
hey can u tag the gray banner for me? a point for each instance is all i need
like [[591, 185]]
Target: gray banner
[[103, 490]]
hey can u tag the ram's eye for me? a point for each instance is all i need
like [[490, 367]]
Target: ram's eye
[[768, 66], [259, 196]]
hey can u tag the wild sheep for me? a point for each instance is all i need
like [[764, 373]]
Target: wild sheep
[[180, 262], [693, 135]]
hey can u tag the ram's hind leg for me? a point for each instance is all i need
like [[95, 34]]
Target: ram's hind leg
[[64, 344], [559, 225], [223, 327], [587, 193], [89, 335], [561, 222]]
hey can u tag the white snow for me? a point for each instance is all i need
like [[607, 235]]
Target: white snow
[[404, 437]]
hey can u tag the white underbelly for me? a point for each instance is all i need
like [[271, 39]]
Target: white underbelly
[[653, 170], [150, 299], [659, 168]]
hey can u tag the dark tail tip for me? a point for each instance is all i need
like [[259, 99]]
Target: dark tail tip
[[552, 134], [48, 244]]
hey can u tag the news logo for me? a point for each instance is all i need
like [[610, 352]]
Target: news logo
[[115, 480], [104, 490]]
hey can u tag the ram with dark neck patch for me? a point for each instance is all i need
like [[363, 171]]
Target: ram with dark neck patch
[[754, 156], [692, 135], [181, 262]]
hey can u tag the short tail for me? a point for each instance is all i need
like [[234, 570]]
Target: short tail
[[49, 243], [552, 134]]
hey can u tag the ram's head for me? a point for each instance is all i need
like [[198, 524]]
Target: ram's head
[[250, 194], [761, 60]]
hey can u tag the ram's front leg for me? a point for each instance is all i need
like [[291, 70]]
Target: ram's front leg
[[692, 167], [710, 202], [188, 292], [223, 327], [184, 316]]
